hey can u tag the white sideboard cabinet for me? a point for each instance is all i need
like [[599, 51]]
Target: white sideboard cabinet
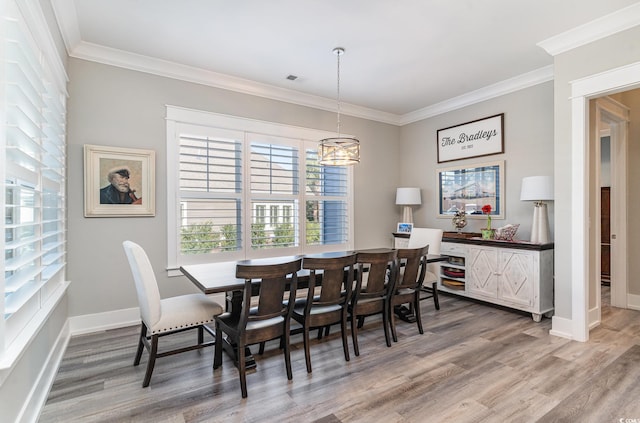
[[518, 275]]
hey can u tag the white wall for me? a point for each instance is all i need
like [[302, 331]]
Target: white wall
[[118, 107], [528, 151], [608, 53]]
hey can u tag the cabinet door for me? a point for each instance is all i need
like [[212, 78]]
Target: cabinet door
[[518, 276], [482, 271]]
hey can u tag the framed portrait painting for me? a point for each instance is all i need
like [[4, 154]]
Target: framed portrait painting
[[119, 182]]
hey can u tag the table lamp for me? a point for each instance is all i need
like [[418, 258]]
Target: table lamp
[[538, 189], [408, 197]]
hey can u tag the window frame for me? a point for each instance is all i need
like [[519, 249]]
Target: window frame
[[180, 120], [49, 172]]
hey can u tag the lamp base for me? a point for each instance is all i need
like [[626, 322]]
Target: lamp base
[[407, 214], [540, 233]]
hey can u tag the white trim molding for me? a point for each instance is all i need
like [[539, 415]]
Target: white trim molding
[[582, 90], [605, 26]]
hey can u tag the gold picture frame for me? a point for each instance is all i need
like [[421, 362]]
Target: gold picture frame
[[119, 182]]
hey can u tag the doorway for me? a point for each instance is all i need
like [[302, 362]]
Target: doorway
[[607, 240], [582, 257]]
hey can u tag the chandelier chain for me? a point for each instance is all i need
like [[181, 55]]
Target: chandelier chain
[[339, 53]]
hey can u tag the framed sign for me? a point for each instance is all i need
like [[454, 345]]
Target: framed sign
[[119, 182], [481, 137], [471, 187]]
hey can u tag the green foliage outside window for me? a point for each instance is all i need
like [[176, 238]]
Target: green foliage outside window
[[283, 235], [198, 239]]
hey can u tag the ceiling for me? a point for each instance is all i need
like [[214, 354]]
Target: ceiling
[[404, 59]]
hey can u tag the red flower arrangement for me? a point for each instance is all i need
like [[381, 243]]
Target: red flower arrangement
[[486, 209]]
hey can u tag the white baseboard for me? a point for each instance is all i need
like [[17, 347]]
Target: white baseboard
[[561, 327], [633, 301], [97, 322], [40, 391]]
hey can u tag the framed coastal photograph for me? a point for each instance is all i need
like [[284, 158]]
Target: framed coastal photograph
[[404, 228], [481, 137], [119, 182], [469, 188]]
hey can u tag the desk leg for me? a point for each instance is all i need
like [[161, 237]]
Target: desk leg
[[234, 306]]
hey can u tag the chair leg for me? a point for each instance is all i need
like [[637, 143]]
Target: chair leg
[[307, 349], [261, 349], [143, 334], [242, 369], [360, 322], [385, 323], [354, 335], [320, 331], [200, 335], [217, 356], [417, 312], [152, 360], [287, 353], [392, 324], [436, 300], [345, 343]]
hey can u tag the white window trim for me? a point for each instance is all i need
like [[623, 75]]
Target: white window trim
[[177, 116]]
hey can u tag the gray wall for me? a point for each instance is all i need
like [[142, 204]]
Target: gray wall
[[528, 151], [118, 107], [608, 53]]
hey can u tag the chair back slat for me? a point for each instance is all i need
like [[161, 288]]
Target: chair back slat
[[382, 268], [413, 267], [335, 275], [274, 281]]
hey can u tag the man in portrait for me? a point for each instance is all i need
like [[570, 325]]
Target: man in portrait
[[118, 191]]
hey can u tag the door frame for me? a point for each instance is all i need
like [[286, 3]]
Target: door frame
[[616, 80]]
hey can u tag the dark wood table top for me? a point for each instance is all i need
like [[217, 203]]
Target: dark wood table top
[[213, 278]]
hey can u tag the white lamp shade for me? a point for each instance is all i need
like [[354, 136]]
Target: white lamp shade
[[537, 188], [408, 196]]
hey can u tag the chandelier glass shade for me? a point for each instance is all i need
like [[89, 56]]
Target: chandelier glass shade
[[339, 151]]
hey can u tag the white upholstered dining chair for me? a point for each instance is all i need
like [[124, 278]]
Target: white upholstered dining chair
[[419, 238], [162, 317]]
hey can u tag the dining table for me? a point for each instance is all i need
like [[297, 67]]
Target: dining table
[[216, 278]]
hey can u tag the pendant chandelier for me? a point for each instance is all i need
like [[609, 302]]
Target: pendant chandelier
[[339, 151]]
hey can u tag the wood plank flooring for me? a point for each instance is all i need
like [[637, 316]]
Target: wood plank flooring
[[474, 363]]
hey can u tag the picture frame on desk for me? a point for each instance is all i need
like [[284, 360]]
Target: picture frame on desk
[[404, 228]]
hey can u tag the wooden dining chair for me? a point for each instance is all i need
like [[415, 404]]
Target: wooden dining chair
[[161, 317], [268, 319], [335, 277], [431, 237], [413, 266], [371, 294]]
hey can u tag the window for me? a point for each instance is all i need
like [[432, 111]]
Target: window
[[33, 175], [248, 189]]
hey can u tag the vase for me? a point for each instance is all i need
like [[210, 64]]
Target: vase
[[487, 233]]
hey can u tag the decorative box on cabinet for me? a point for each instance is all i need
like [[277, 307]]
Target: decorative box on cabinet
[[518, 275]]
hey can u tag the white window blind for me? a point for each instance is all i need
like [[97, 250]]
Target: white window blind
[[255, 190], [33, 172]]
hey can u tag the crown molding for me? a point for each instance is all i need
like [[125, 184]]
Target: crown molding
[[124, 59], [501, 88], [605, 26], [67, 20]]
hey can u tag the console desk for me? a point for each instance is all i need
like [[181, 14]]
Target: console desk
[[514, 274]]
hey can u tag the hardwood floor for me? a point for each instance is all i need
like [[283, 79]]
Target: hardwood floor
[[474, 363]]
